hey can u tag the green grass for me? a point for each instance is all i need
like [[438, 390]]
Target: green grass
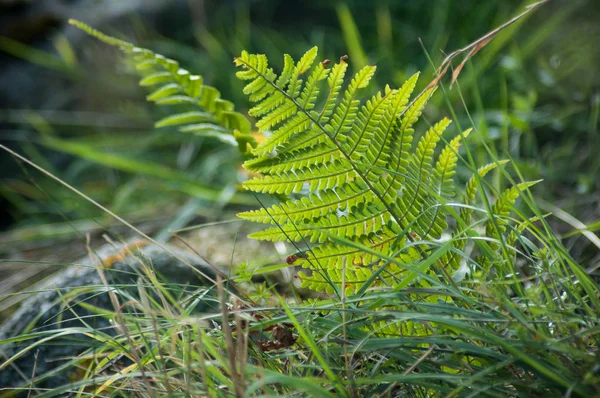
[[482, 340]]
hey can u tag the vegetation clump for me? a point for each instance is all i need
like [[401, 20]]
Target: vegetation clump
[[429, 286]]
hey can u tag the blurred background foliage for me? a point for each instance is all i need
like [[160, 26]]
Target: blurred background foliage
[[72, 105]]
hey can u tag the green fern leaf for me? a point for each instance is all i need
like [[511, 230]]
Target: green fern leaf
[[452, 258], [379, 149], [346, 111], [176, 86], [417, 187], [401, 143], [313, 206], [366, 124], [433, 221], [185, 118], [339, 159], [328, 176], [329, 260], [503, 207], [471, 188], [334, 81], [323, 152], [360, 220]]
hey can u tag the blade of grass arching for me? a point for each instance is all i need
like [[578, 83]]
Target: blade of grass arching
[[184, 182], [518, 349], [351, 36], [592, 226], [32, 152], [208, 224], [540, 367], [73, 387], [531, 203], [65, 51], [53, 231], [372, 344], [420, 379], [154, 140], [44, 120], [553, 242], [186, 214], [34, 55], [162, 291], [117, 161], [446, 317], [504, 109], [107, 211], [39, 378], [265, 377], [51, 336], [213, 346], [49, 234], [572, 221], [594, 117], [267, 269], [123, 373], [307, 338], [424, 265], [157, 354], [414, 272]]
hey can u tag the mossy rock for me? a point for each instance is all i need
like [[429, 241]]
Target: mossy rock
[[61, 305]]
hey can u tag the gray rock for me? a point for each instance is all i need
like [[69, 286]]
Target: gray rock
[[54, 308]]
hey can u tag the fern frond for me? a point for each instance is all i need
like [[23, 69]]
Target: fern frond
[[346, 111], [334, 81], [503, 207], [441, 190], [340, 157], [417, 187], [322, 152], [353, 279], [363, 219], [452, 259], [471, 188], [379, 149], [173, 85], [446, 165], [329, 176], [366, 124], [281, 110], [402, 142], [313, 206]]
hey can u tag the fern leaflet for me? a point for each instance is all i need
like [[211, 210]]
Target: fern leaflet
[[210, 116]]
